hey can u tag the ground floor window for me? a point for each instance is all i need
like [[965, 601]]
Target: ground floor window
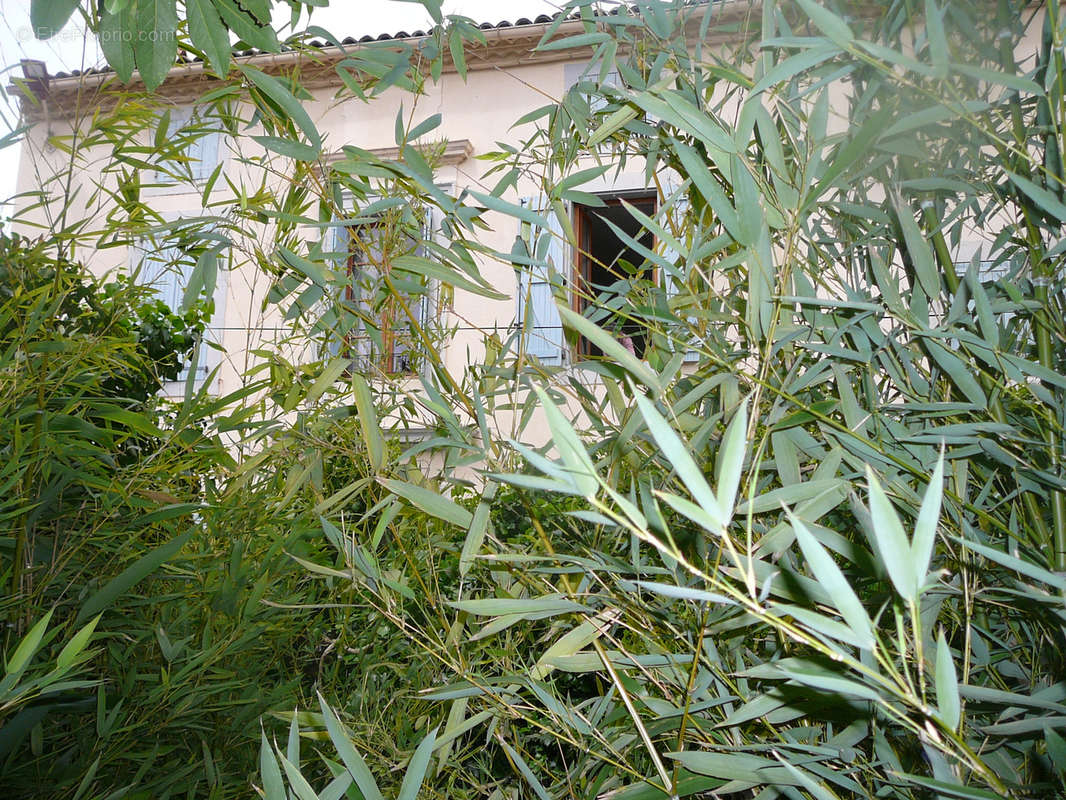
[[390, 305]]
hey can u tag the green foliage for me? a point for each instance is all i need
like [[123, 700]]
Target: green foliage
[[809, 543], [820, 558]]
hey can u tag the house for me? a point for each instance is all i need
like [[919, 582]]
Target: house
[[507, 78]]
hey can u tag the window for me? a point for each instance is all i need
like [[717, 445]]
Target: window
[[608, 271], [390, 307], [196, 148], [603, 279], [168, 270]]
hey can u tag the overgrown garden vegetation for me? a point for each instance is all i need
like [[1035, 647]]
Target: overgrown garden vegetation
[[811, 544]]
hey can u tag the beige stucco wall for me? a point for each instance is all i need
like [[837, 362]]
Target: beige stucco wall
[[480, 109]]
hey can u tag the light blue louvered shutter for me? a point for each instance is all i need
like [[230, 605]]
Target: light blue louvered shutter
[[537, 313], [203, 152], [204, 155], [678, 212]]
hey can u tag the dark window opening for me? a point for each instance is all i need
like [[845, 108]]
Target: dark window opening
[[608, 269]]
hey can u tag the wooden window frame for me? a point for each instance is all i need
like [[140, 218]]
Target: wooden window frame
[[582, 260], [383, 361]]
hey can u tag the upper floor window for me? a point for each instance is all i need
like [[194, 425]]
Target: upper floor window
[[608, 271], [606, 277], [193, 147]]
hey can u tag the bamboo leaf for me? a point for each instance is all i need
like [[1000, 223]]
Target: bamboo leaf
[[429, 501], [280, 94], [572, 641], [28, 646], [611, 348], [947, 685], [354, 762], [270, 772], [828, 22], [297, 781], [498, 606], [730, 462], [677, 454], [369, 428], [77, 643], [890, 542], [49, 16], [209, 34], [572, 452], [416, 769], [330, 373], [526, 772], [131, 576], [833, 581], [479, 526], [926, 525], [156, 47]]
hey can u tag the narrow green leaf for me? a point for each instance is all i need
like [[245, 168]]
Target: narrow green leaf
[[677, 454], [131, 576], [280, 94], [615, 122], [938, 40], [1041, 196], [926, 525], [684, 593], [580, 40], [332, 371], [734, 767], [944, 789], [833, 581], [297, 781], [572, 641], [77, 643], [416, 770], [28, 646], [479, 526], [1006, 79], [1016, 564], [611, 348], [429, 501], [369, 428], [702, 179], [422, 128], [446, 275], [730, 462], [918, 249], [1056, 749], [793, 66], [890, 542], [830, 683], [828, 22], [526, 772], [270, 772], [818, 791], [551, 605], [580, 468], [947, 685], [354, 762]]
